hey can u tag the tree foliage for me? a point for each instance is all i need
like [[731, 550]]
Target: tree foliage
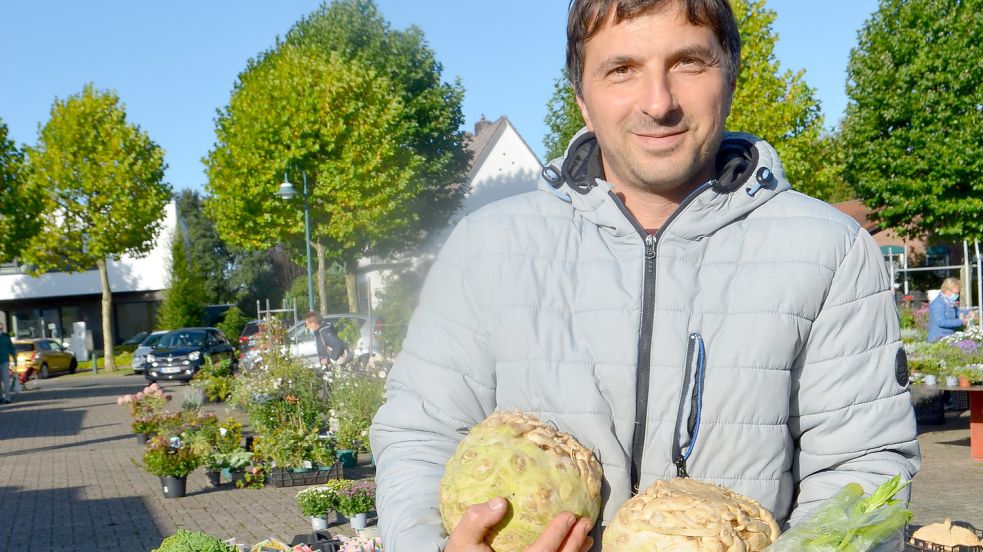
[[361, 110], [913, 124], [397, 301], [260, 275], [184, 301], [233, 323], [774, 105], [101, 184], [337, 293], [212, 258], [18, 204]]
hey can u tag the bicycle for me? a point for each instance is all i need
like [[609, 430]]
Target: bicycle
[[27, 380]]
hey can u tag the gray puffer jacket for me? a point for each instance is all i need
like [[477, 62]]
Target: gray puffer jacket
[[755, 333]]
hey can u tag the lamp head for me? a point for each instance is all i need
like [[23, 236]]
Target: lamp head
[[286, 190]]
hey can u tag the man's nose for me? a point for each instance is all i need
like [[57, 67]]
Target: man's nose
[[657, 99]]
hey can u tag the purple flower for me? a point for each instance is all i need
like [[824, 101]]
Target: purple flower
[[967, 345]]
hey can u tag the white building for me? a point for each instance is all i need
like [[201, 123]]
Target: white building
[[502, 165], [48, 305]]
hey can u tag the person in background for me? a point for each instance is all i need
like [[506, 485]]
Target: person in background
[[6, 352], [943, 313], [331, 349]]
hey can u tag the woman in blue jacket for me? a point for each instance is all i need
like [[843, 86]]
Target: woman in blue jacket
[[943, 312]]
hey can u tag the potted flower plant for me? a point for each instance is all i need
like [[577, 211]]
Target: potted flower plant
[[146, 407], [316, 503], [355, 500], [172, 461]]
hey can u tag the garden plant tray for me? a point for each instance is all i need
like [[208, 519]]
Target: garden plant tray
[[917, 545], [284, 477]]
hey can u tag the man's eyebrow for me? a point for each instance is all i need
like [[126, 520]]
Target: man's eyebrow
[[614, 61], [696, 51]]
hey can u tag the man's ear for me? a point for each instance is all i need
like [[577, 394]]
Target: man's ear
[[584, 113], [731, 88]]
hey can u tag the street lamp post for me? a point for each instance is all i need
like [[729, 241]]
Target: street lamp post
[[287, 192]]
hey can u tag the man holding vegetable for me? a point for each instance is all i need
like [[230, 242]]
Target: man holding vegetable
[[581, 302]]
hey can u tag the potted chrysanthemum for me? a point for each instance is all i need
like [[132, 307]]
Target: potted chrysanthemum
[[317, 502], [355, 500]]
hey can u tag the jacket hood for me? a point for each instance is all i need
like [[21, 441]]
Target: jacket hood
[[749, 175]]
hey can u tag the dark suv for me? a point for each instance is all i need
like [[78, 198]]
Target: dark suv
[[181, 353]]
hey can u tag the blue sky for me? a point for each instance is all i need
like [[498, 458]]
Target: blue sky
[[173, 63]]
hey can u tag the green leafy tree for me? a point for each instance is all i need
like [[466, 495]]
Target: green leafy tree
[[774, 105], [211, 257], [184, 301], [232, 323], [913, 123], [563, 119], [260, 275], [18, 204], [362, 111], [103, 191], [397, 301], [337, 291]]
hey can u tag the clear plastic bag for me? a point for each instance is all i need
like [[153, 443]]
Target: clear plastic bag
[[847, 522]]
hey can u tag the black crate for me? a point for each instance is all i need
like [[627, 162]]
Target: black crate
[[917, 545], [320, 541], [282, 477]]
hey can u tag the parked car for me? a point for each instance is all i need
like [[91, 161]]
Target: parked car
[[144, 347], [362, 333], [181, 353], [44, 356]]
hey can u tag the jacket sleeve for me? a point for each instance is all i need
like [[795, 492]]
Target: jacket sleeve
[[441, 383], [850, 415], [937, 314]]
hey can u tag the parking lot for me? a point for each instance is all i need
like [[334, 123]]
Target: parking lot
[[68, 480]]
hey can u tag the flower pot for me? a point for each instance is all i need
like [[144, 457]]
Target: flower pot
[[214, 477], [141, 439], [359, 521], [347, 457], [964, 382], [930, 379], [237, 475], [174, 487], [951, 381], [319, 523]]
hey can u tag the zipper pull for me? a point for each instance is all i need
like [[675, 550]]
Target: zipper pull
[[681, 467], [650, 246]]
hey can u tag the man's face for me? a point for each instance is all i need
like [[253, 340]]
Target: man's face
[[311, 324], [656, 94]]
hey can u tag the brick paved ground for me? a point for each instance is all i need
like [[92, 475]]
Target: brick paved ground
[[67, 481]]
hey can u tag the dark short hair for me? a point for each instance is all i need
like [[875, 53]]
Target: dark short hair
[[585, 18], [312, 315]]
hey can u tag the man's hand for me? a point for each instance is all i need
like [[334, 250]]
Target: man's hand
[[566, 533]]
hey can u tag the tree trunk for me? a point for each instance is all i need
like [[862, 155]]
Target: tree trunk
[[322, 275], [350, 285], [107, 314]]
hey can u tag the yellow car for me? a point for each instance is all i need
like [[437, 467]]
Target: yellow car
[[43, 357]]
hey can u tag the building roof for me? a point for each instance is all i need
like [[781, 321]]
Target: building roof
[[858, 211], [482, 141]]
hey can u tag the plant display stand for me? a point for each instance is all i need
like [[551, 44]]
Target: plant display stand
[[285, 477]]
